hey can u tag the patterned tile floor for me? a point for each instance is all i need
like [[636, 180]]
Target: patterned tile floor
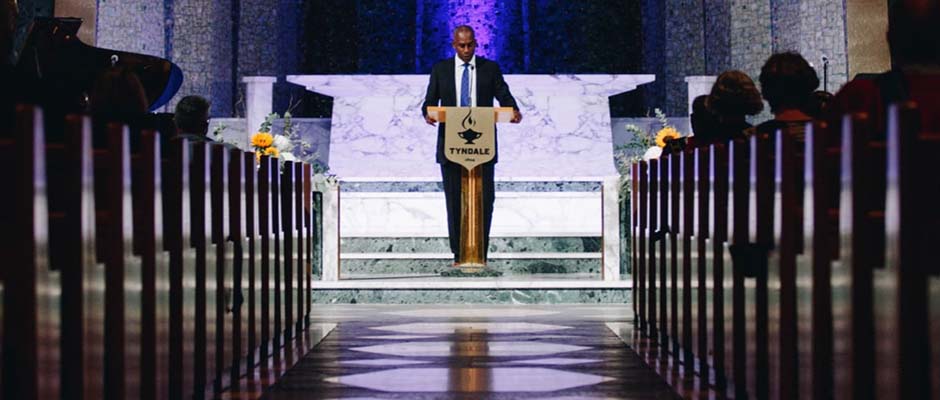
[[471, 352]]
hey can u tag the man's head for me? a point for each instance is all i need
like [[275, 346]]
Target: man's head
[[465, 42], [192, 115], [787, 81], [914, 32], [8, 12]]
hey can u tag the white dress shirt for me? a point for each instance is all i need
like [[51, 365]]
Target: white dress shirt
[[458, 75]]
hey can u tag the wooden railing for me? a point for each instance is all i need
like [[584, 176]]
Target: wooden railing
[[135, 271], [780, 267]]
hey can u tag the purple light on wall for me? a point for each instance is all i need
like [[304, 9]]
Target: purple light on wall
[[481, 15]]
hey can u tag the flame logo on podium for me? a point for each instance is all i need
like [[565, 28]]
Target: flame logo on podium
[[468, 133]]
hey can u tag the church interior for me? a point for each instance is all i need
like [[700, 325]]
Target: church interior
[[469, 199]]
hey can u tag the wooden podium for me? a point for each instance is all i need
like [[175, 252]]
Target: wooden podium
[[470, 140]]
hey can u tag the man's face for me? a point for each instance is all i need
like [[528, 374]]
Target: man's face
[[465, 45]]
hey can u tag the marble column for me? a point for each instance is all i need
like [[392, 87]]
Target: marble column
[[330, 239], [610, 201], [699, 85], [259, 100]]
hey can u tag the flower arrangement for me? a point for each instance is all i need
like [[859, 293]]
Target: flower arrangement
[[643, 145], [288, 146]]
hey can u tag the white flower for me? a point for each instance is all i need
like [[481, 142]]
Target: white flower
[[288, 156], [282, 143], [652, 153]]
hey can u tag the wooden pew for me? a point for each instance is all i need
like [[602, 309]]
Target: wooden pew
[[662, 236], [279, 254], [268, 282], [911, 220], [180, 221], [301, 263], [634, 235], [31, 332], [218, 276], [851, 283], [906, 291], [700, 252], [721, 275], [154, 276], [237, 270], [253, 270], [114, 219], [204, 311], [652, 221], [310, 226], [740, 238], [687, 254], [641, 249], [672, 236], [290, 244], [71, 230]]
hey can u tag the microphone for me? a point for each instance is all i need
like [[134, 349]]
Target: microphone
[[825, 61]]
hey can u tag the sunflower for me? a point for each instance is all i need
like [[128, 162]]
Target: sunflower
[[262, 140], [272, 151], [667, 133]]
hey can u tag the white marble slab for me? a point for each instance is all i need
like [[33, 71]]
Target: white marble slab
[[378, 133], [515, 214], [611, 229], [331, 232]]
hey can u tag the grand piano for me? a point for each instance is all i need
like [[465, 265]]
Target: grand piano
[[63, 69]]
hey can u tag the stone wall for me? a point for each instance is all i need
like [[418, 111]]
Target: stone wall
[[125, 22], [709, 37]]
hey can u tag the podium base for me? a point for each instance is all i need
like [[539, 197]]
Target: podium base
[[471, 268], [477, 271]]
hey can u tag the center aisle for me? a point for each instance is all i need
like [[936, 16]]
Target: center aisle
[[479, 351]]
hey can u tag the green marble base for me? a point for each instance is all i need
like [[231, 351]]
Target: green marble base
[[472, 296], [485, 273], [588, 267]]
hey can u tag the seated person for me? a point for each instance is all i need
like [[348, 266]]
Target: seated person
[[702, 120], [733, 97], [787, 83], [118, 95], [192, 118]]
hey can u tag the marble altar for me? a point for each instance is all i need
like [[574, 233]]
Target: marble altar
[[378, 134]]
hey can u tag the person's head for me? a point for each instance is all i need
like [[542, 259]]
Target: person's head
[[703, 120], [8, 12], [734, 95], [786, 81], [192, 115], [465, 42], [914, 32], [118, 92]]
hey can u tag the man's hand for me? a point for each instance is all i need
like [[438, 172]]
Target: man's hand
[[516, 117], [429, 120]]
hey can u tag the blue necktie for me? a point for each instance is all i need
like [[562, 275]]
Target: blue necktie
[[465, 86]]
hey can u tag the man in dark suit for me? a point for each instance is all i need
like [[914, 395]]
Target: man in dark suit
[[466, 81]]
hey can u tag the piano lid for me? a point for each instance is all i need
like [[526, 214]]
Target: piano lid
[[55, 56]]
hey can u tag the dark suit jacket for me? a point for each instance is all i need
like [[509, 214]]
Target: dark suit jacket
[[442, 91]]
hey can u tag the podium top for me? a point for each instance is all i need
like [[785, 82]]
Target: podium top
[[503, 114]]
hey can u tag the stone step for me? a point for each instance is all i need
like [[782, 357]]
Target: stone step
[[540, 289], [585, 264], [497, 245]]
